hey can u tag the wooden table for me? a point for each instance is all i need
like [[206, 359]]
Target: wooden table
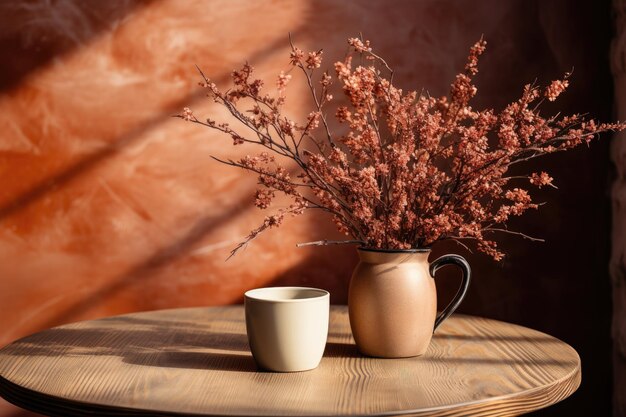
[[196, 362]]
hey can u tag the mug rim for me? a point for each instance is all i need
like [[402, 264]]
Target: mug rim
[[250, 294]]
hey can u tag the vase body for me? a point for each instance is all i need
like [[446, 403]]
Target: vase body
[[392, 301]]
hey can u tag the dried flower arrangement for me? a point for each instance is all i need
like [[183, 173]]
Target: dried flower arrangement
[[408, 169]]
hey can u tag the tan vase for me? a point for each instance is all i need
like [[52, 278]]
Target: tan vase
[[392, 301]]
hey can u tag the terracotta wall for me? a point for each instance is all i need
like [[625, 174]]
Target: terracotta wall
[[108, 205]]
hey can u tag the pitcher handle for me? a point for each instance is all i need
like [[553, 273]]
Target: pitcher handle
[[460, 294]]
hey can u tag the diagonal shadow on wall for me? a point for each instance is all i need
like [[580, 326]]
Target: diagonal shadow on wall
[[160, 258], [26, 27], [89, 162]]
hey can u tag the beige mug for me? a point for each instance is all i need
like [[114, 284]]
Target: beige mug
[[287, 327]]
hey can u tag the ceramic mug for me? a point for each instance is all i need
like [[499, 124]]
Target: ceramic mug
[[287, 327]]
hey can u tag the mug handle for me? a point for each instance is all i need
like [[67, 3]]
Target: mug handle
[[460, 294]]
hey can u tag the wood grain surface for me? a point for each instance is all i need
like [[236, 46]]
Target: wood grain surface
[[196, 361]]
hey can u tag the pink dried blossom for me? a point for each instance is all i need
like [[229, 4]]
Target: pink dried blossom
[[282, 81], [556, 88], [471, 67], [263, 198], [409, 170], [326, 80], [296, 56], [314, 60], [187, 114], [313, 120], [359, 45], [237, 140], [541, 179]]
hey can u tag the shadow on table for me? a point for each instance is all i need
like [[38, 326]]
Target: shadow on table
[[496, 338], [341, 350], [192, 345], [148, 342], [499, 361], [349, 350], [182, 359]]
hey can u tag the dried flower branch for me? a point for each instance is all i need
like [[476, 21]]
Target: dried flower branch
[[410, 170]]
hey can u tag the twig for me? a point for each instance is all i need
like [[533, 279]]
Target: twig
[[534, 239], [317, 102], [458, 242], [330, 242]]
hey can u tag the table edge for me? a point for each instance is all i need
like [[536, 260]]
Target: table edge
[[56, 406], [541, 397]]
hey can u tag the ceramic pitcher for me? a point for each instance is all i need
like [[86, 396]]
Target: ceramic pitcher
[[392, 300]]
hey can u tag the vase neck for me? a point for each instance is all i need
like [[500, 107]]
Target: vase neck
[[393, 256]]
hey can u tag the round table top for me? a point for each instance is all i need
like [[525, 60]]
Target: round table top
[[196, 361]]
